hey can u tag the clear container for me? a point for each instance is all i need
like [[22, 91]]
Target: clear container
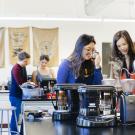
[[109, 82], [105, 104], [62, 100], [128, 85]]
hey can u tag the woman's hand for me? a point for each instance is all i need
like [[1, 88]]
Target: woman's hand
[[116, 68], [97, 61]]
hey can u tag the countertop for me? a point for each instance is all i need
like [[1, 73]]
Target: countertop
[[49, 127], [37, 99]]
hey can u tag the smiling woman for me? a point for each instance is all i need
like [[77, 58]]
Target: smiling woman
[[88, 51], [123, 49], [124, 53], [80, 67]]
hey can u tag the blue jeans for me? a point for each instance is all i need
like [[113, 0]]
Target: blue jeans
[[16, 103]]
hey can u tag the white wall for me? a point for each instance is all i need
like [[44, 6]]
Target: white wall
[[68, 34]]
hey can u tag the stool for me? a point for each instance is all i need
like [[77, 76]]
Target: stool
[[8, 109]]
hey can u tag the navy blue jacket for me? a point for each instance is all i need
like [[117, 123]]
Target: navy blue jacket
[[65, 75]]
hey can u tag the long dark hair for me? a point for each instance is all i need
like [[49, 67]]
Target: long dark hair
[[76, 56], [131, 50]]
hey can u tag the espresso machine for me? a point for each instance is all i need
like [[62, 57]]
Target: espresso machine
[[67, 102], [127, 102], [97, 106], [47, 84]]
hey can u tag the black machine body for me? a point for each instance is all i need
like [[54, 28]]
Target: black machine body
[[48, 83], [67, 102], [97, 106], [127, 109]]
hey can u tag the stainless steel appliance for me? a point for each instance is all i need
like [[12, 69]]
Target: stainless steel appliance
[[127, 109], [67, 102], [97, 106]]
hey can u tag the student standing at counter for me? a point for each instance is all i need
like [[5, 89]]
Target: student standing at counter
[[80, 67], [18, 77], [124, 51], [43, 71]]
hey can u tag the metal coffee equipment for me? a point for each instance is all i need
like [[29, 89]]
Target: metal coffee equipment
[[97, 106], [67, 101], [127, 102], [47, 84]]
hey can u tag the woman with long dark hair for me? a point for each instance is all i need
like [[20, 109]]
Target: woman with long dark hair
[[80, 66], [123, 50]]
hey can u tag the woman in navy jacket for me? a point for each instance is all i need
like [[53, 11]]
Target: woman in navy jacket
[[81, 66]]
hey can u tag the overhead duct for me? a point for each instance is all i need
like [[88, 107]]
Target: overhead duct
[[114, 9], [92, 7]]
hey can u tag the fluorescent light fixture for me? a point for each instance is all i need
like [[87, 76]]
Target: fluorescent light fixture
[[65, 19], [118, 20], [93, 7], [51, 19]]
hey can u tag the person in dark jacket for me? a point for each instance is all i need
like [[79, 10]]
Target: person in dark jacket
[[18, 77], [83, 65]]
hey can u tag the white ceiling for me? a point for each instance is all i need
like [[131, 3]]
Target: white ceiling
[[42, 8], [122, 9]]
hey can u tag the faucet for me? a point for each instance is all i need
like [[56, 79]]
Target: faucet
[[127, 71]]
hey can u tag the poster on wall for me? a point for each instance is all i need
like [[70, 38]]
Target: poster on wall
[[18, 41], [45, 41], [2, 47]]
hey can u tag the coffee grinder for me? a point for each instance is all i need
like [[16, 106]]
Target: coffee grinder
[[97, 106], [67, 102]]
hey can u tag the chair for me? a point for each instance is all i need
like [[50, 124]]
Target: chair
[[8, 109]]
